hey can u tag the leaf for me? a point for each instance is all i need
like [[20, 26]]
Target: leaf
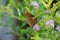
[[19, 13], [28, 10], [28, 30], [44, 4], [57, 19], [58, 14], [49, 3], [38, 14], [2, 9], [53, 9], [12, 2], [9, 9]]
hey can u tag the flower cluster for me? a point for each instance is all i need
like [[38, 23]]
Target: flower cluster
[[36, 27], [35, 4], [50, 22], [58, 28]]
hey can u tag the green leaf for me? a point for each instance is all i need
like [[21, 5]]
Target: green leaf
[[53, 9], [9, 9], [44, 4], [49, 3], [2, 9], [12, 2]]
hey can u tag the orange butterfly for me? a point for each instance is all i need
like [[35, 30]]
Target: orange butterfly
[[30, 19]]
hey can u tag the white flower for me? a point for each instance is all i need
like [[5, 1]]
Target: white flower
[[50, 22], [58, 28], [36, 27], [35, 4]]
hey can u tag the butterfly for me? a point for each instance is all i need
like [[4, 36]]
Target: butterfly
[[29, 18]]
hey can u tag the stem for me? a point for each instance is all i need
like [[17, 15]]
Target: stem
[[14, 16], [54, 35]]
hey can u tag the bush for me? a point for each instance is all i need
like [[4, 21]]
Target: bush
[[46, 12]]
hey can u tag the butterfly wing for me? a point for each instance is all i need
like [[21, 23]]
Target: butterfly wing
[[30, 19]]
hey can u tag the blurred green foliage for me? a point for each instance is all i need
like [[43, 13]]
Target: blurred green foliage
[[46, 33]]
